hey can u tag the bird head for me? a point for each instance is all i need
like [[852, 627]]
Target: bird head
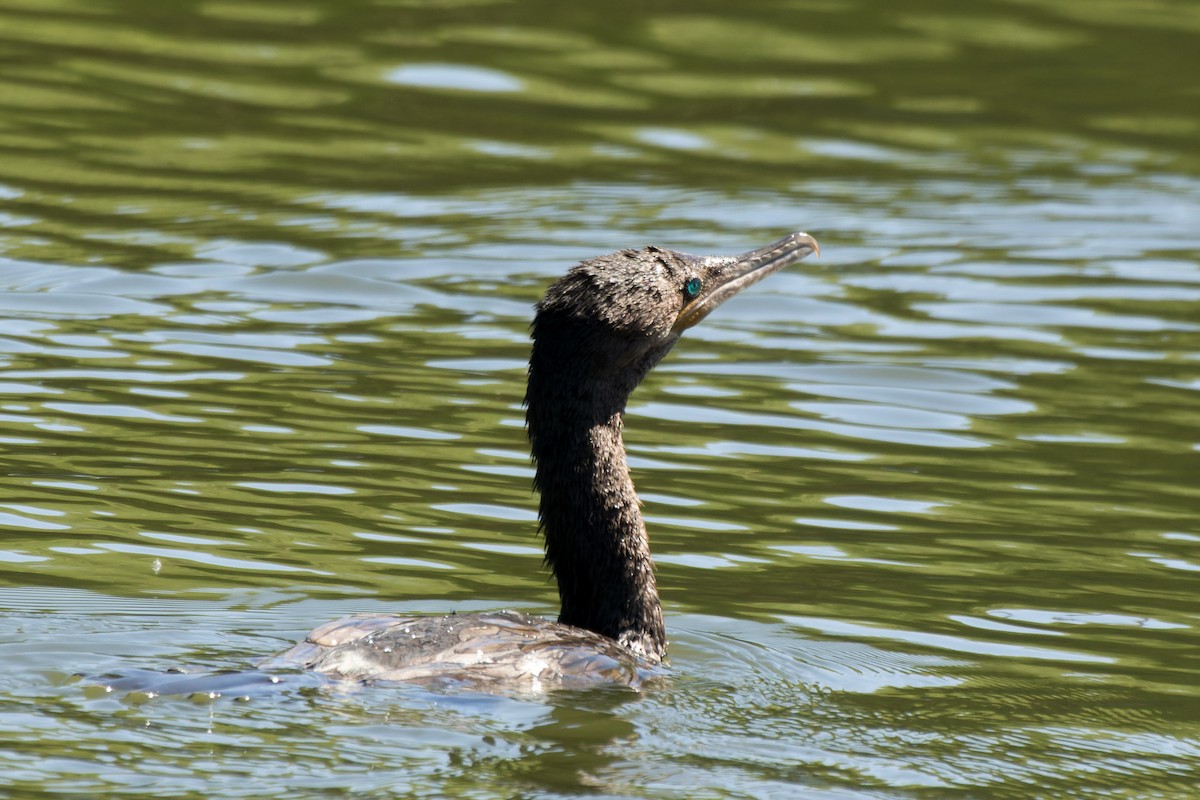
[[624, 311]]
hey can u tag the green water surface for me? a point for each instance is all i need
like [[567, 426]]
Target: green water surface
[[925, 511]]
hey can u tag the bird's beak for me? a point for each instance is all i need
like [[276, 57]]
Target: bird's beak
[[725, 277]]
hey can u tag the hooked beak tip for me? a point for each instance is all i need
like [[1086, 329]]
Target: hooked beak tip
[[811, 242]]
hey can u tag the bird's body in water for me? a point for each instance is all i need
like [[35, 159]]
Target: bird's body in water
[[596, 333]]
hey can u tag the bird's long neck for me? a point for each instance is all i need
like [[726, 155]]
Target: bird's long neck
[[595, 537]]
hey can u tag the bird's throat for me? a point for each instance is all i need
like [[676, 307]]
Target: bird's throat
[[595, 537]]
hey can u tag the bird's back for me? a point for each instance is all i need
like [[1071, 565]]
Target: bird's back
[[487, 650]]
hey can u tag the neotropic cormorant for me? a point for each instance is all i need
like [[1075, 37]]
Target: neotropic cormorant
[[596, 334]]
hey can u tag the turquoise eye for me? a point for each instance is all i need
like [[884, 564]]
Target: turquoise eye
[[692, 287]]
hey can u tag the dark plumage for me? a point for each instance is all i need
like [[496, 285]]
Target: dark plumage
[[596, 333]]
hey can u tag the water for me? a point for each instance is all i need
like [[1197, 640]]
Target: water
[[924, 510]]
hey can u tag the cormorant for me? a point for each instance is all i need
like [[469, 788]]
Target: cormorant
[[596, 333]]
